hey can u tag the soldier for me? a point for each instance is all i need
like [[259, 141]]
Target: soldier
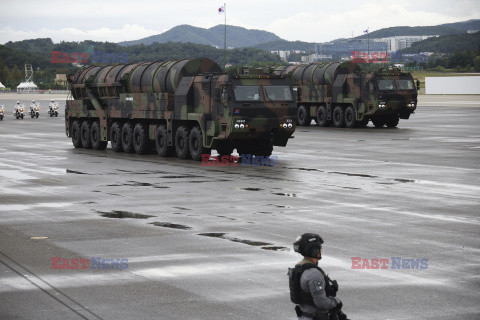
[[310, 288]]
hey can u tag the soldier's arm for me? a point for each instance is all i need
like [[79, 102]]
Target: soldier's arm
[[316, 286]]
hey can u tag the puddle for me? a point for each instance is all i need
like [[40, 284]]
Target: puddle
[[213, 235], [75, 172], [275, 248], [265, 212], [307, 169], [180, 177], [171, 225], [351, 188], [355, 174], [123, 214], [181, 208], [293, 195], [138, 184], [248, 242], [226, 217], [403, 180], [252, 189], [400, 139]]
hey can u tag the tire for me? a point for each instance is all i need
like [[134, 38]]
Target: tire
[[392, 121], [77, 143], [36, 116], [363, 123], [127, 137], [161, 142], [32, 116], [116, 137], [56, 114], [95, 137], [51, 115], [21, 116], [195, 144], [303, 116], [322, 117], [378, 122], [141, 141], [182, 143], [338, 117], [85, 130], [350, 117]]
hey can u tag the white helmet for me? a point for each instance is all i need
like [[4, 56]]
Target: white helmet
[[33, 101], [18, 102]]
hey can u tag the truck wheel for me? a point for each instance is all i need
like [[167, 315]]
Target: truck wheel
[[363, 123], [392, 121], [378, 122], [350, 117], [161, 142], [77, 143], [127, 137], [85, 130], [303, 116], [116, 137], [95, 137], [181, 143], [195, 143], [338, 117], [322, 117], [141, 141]]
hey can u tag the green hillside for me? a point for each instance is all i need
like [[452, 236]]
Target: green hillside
[[446, 44]]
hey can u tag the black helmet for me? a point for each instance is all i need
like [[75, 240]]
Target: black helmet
[[309, 245]]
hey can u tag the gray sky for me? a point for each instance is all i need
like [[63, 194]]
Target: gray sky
[[305, 20]]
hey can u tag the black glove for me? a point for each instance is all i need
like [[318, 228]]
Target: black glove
[[334, 286]]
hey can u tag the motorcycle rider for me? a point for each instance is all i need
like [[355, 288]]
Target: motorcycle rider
[[52, 107], [34, 108]]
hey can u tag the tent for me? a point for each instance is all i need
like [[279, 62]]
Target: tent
[[27, 87]]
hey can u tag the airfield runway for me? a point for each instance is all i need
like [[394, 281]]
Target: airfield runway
[[215, 242]]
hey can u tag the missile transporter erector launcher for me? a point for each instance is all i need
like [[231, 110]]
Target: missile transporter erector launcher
[[340, 94], [187, 107]]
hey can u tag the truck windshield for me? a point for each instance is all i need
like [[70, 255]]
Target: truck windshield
[[405, 85], [385, 85], [278, 93], [247, 93]]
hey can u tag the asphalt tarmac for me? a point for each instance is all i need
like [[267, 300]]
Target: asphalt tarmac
[[198, 242]]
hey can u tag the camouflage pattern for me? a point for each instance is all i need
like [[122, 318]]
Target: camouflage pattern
[[343, 86], [184, 93]]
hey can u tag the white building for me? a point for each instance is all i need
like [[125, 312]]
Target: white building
[[400, 42]]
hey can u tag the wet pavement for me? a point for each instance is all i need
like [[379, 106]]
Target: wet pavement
[[172, 239]]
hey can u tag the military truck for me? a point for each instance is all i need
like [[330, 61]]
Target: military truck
[[340, 94], [187, 107]]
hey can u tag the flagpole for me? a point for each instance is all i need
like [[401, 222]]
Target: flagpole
[[225, 40]]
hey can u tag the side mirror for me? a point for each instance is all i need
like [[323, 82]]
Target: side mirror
[[418, 85]]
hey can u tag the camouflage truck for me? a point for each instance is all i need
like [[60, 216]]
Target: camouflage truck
[[183, 106], [340, 94]]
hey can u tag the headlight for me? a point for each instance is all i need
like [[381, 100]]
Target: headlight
[[290, 125], [236, 126], [242, 126]]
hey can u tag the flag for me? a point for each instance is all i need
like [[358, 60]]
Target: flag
[[366, 31], [221, 9]]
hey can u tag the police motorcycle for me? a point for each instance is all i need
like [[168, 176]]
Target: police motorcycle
[[2, 112], [34, 109], [53, 109], [19, 111]]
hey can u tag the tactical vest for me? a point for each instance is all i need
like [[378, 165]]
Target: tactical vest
[[297, 294]]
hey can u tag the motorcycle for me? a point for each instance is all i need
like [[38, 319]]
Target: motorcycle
[[2, 113], [53, 110], [34, 111], [19, 112]]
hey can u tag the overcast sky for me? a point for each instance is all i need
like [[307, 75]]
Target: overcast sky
[[305, 20]]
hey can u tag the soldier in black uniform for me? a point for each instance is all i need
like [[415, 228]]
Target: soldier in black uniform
[[310, 288]]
